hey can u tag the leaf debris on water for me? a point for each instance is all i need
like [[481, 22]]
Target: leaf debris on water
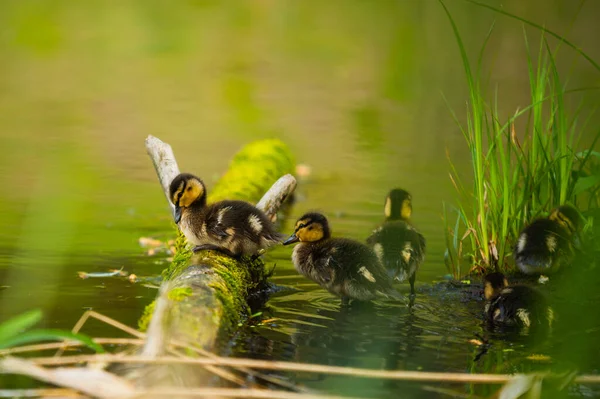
[[110, 273], [476, 342], [155, 246], [538, 357]]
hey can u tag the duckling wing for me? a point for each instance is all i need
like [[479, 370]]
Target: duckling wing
[[229, 218], [217, 221], [543, 245], [399, 247], [357, 262], [520, 305]]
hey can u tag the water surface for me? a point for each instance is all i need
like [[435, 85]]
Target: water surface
[[360, 91]]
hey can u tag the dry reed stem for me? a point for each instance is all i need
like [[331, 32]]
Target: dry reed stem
[[44, 392], [304, 367], [91, 381], [450, 392], [219, 372], [268, 378], [68, 344], [231, 393], [116, 324], [90, 313], [140, 341], [105, 319]]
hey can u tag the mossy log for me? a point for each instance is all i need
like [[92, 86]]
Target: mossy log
[[205, 295]]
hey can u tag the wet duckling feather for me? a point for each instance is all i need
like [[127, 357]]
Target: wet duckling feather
[[518, 305], [398, 245], [546, 244], [344, 267]]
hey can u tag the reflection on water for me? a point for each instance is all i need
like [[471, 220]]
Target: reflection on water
[[355, 90], [437, 332]]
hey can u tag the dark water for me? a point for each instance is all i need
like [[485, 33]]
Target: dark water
[[355, 88]]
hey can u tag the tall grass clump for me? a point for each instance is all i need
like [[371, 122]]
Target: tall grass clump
[[517, 175]]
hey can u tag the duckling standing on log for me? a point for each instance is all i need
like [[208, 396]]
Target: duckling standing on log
[[399, 246], [234, 228], [344, 267], [516, 305], [547, 243]]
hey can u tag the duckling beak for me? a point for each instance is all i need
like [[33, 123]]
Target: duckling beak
[[177, 214], [291, 239]]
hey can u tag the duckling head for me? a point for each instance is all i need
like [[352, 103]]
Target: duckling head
[[567, 216], [493, 284], [310, 228], [398, 205], [185, 190]]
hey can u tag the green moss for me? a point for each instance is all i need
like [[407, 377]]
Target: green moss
[[144, 321], [179, 294], [252, 171], [237, 280], [180, 259]]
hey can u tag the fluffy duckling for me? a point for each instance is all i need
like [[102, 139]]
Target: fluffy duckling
[[344, 267], [399, 246], [234, 228], [547, 243], [517, 305]]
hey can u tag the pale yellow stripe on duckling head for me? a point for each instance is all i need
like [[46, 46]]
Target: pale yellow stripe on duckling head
[[177, 192], [387, 210], [406, 210], [193, 191]]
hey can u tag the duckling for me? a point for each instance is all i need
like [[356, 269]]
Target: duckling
[[234, 228], [547, 243], [516, 305], [399, 246], [344, 267]]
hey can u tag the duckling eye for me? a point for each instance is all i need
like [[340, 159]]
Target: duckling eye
[[302, 225], [189, 188]]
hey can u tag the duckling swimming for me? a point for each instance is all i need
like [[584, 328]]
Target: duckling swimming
[[234, 228], [399, 246], [547, 243], [344, 267], [517, 305]]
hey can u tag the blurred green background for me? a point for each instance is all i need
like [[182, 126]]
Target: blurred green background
[[355, 88]]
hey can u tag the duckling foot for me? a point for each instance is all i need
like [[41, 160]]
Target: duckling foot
[[211, 247], [257, 255], [411, 300]]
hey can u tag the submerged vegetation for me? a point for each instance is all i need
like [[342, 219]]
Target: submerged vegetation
[[523, 166]]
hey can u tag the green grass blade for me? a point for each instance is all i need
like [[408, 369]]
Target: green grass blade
[[50, 335], [541, 28], [18, 324]]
